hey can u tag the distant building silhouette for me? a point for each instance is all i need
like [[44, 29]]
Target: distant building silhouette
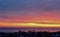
[[30, 34]]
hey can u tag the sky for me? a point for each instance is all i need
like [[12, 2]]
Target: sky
[[29, 13]]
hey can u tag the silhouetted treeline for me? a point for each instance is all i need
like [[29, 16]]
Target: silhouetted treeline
[[30, 34]]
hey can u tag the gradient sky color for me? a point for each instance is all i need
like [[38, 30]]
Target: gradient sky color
[[29, 13]]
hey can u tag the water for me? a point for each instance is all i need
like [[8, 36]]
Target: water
[[26, 29]]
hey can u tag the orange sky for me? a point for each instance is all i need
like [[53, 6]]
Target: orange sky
[[31, 22], [30, 13]]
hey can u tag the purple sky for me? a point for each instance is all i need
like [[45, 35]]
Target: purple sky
[[29, 10]]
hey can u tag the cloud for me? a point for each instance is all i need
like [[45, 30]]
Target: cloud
[[11, 8]]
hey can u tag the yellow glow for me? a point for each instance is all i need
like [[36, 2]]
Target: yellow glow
[[27, 25], [38, 25]]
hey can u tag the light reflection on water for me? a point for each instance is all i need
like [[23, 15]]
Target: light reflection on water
[[36, 29]]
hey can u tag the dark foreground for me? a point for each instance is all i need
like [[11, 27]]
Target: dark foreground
[[30, 34]]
